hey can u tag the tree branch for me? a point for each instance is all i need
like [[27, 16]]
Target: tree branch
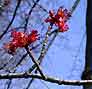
[[22, 58], [48, 79], [35, 62]]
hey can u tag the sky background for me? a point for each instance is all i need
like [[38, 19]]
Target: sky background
[[66, 57]]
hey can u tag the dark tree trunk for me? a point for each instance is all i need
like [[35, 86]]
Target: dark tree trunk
[[87, 74]]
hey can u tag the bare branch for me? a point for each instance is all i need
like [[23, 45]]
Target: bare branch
[[22, 58], [33, 59], [48, 79]]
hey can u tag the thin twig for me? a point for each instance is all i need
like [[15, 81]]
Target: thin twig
[[27, 19], [74, 6], [35, 62], [30, 82], [14, 15]]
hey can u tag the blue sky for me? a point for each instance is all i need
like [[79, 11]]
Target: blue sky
[[66, 57]]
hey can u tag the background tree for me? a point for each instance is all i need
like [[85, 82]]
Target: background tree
[[87, 74]]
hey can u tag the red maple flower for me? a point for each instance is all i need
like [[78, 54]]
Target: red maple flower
[[33, 36], [20, 39], [59, 19], [10, 47], [51, 17], [62, 26], [60, 13]]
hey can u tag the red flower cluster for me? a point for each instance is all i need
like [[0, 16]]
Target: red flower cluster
[[59, 19], [20, 39]]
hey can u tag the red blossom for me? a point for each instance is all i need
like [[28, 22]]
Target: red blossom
[[20, 39], [33, 36], [59, 19], [62, 26], [60, 13], [52, 19], [10, 48], [51, 13]]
